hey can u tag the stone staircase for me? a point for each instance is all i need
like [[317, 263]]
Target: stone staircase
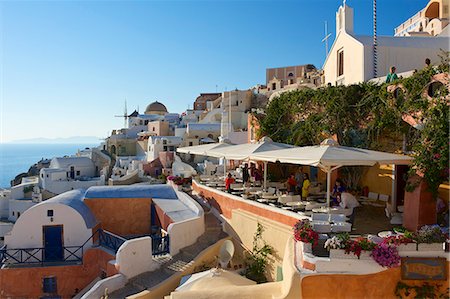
[[170, 265]]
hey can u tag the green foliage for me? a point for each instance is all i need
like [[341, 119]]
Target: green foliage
[[162, 177], [258, 258], [426, 290], [28, 189], [359, 115]]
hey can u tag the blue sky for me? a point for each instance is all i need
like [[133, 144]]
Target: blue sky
[[67, 66]]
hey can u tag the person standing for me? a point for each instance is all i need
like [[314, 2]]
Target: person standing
[[392, 76], [245, 175], [299, 179], [427, 62], [305, 186]]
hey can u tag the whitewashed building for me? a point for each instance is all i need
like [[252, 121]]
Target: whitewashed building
[[59, 222], [351, 57], [68, 173], [157, 144]]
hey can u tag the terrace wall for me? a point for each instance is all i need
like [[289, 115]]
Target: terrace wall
[[377, 285], [27, 282], [225, 203]]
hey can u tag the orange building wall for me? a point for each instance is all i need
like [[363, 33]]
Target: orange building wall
[[122, 216], [225, 205], [164, 220], [377, 285], [27, 282]]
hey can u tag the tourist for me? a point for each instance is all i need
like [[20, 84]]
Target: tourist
[[392, 76], [252, 171], [291, 184], [258, 176], [337, 191], [228, 181], [299, 179], [245, 175], [305, 186], [427, 62]]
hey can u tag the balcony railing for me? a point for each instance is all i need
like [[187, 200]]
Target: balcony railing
[[160, 245], [72, 254]]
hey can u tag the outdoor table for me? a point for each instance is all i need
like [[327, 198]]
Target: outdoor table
[[270, 197], [325, 210], [341, 227], [296, 204], [386, 233]]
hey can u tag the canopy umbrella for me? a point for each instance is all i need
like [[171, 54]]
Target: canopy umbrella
[[246, 150], [206, 150], [329, 155]]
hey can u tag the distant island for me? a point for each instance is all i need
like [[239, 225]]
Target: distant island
[[67, 140]]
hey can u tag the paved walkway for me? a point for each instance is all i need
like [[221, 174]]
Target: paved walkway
[[170, 265]]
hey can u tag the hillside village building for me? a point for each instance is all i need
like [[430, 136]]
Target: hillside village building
[[61, 245], [351, 57], [432, 20]]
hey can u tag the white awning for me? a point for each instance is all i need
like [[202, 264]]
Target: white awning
[[204, 149]]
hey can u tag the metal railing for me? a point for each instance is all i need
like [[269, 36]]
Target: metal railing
[[110, 240], [160, 244], [41, 256], [73, 254]]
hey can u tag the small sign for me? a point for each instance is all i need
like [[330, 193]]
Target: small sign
[[422, 268]]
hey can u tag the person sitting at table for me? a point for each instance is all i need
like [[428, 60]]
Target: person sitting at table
[[337, 191], [228, 181], [305, 187], [291, 184]]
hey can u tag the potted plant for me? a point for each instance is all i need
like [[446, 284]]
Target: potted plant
[[429, 238], [386, 255], [361, 247], [402, 242], [336, 245], [303, 232]]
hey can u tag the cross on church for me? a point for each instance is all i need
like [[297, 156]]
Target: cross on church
[[327, 36]]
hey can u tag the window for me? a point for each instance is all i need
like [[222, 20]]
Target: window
[[13, 213], [49, 285], [291, 75], [190, 143], [49, 213], [274, 86], [153, 129], [18, 214], [340, 62], [78, 172], [42, 175]]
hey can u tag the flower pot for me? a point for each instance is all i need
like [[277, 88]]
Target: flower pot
[[339, 254], [430, 247], [407, 247], [307, 247]]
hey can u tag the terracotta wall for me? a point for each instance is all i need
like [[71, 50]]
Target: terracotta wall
[[225, 204], [420, 208], [27, 282], [163, 219], [378, 285], [122, 216]]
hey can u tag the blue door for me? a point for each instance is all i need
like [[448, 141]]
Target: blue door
[[53, 243]]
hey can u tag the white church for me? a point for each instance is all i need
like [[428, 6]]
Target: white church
[[351, 59]]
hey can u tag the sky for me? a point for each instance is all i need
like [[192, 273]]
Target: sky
[[66, 67]]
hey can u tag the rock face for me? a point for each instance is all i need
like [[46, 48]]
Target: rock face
[[32, 171]]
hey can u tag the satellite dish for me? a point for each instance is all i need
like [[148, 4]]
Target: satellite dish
[[226, 253]]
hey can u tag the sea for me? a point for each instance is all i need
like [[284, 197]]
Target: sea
[[18, 158]]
